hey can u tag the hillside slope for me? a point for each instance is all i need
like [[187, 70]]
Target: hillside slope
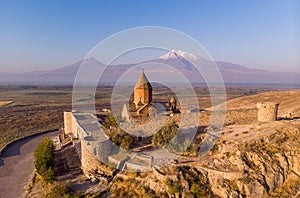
[[289, 101], [250, 159]]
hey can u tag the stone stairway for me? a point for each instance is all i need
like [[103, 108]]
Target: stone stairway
[[141, 108]]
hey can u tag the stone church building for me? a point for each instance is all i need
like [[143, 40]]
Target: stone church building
[[142, 92]]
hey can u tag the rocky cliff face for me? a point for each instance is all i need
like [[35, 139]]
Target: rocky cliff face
[[258, 168], [268, 166]]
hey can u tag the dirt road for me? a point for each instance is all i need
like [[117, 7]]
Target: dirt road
[[16, 166]]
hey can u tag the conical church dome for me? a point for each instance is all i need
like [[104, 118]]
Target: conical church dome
[[142, 82], [142, 91]]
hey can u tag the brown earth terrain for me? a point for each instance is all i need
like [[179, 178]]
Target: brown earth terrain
[[32, 109], [250, 159]]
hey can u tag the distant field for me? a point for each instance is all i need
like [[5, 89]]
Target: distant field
[[4, 103], [26, 111], [32, 109]]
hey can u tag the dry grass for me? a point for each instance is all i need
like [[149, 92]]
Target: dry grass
[[4, 103], [243, 111], [290, 188], [289, 101], [35, 109]]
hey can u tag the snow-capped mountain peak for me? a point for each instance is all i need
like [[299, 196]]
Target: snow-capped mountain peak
[[178, 54]]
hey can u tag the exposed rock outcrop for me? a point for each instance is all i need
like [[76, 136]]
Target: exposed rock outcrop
[[268, 166], [259, 167]]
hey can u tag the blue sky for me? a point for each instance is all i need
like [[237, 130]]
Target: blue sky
[[43, 35]]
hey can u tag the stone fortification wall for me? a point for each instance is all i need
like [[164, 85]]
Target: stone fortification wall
[[89, 162], [69, 123], [95, 146], [267, 111]]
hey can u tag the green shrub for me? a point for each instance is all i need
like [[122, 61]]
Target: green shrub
[[43, 155], [49, 175], [110, 122], [43, 160], [215, 149], [198, 190], [165, 134], [173, 186], [122, 139], [127, 141], [59, 191]]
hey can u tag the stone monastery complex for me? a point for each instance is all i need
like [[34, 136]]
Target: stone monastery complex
[[95, 148]]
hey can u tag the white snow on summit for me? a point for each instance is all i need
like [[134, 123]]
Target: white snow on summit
[[178, 54]]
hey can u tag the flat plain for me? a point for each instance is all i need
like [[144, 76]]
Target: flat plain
[[244, 146], [26, 110]]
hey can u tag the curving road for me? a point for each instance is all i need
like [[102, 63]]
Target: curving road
[[16, 165]]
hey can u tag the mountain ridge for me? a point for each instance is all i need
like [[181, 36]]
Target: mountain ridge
[[181, 61]]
